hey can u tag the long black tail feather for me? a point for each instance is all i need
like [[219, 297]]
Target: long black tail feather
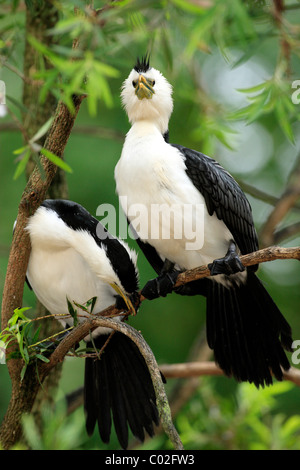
[[247, 331], [118, 389]]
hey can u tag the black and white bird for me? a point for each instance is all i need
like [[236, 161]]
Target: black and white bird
[[74, 257], [245, 329]]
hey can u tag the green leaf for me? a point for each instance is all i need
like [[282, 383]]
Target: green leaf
[[22, 163], [189, 6], [284, 120], [253, 89], [91, 303], [18, 315], [42, 131], [56, 160], [104, 69], [72, 312], [20, 150], [42, 358], [23, 371]]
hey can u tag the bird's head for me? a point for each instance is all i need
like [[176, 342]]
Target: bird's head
[[147, 95]]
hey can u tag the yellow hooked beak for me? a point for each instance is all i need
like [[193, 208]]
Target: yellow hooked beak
[[126, 299], [144, 88]]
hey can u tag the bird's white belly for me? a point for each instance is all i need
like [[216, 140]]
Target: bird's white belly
[[57, 275]]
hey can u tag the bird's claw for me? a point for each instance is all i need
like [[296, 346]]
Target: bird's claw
[[160, 286], [230, 264]]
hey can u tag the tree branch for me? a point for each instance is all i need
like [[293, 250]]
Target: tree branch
[[271, 253], [261, 256], [287, 232], [197, 369], [287, 201]]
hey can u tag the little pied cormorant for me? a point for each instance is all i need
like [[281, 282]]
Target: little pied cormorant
[[245, 329], [73, 257]]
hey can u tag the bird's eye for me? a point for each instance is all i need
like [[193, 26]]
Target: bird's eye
[[134, 83], [153, 83]]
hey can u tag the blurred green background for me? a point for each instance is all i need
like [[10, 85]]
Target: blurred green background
[[207, 54]]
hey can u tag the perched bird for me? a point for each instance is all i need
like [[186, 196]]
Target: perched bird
[[245, 329], [74, 258]]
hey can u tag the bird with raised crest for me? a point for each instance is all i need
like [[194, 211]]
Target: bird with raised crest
[[245, 328]]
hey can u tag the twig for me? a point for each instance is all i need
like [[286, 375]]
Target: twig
[[271, 253], [261, 256], [289, 231], [282, 207], [197, 369], [259, 194]]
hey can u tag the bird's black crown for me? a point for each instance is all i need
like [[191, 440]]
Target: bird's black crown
[[143, 64]]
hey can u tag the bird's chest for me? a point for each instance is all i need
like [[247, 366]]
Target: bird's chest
[[143, 179], [57, 275], [165, 208], [146, 174]]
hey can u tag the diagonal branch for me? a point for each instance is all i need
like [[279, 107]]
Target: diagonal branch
[[286, 202], [271, 253]]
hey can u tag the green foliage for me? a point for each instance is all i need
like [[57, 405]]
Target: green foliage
[[32, 149], [271, 96], [59, 431], [20, 329], [245, 421], [212, 420]]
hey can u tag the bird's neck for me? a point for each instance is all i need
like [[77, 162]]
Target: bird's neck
[[145, 127]]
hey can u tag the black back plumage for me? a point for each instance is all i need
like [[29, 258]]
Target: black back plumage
[[223, 196], [118, 389], [78, 218]]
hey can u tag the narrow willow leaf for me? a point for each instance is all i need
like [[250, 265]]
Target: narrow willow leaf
[[20, 150], [56, 160], [283, 119], [42, 358], [91, 303], [72, 312], [23, 371], [18, 315], [42, 131], [105, 69], [22, 164], [253, 89]]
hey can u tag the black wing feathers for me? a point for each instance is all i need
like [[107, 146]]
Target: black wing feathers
[[223, 196]]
